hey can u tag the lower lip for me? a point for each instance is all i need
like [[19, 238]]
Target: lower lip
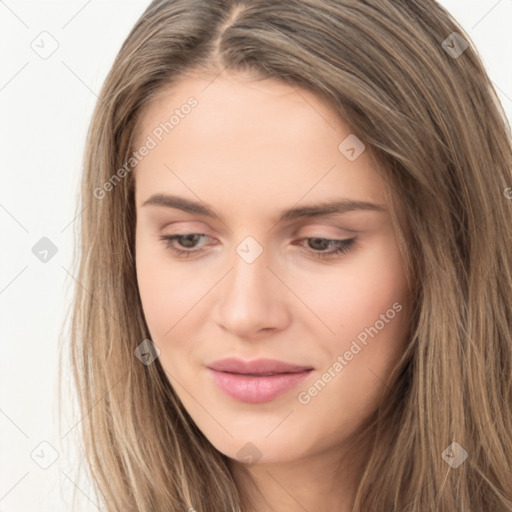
[[256, 390]]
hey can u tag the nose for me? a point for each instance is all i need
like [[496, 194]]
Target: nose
[[252, 300]]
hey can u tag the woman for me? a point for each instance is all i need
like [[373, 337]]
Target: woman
[[296, 264]]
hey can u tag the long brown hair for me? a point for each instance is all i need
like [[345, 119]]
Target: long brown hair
[[410, 83]]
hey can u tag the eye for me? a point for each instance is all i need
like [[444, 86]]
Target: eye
[[188, 245], [190, 239], [319, 244]]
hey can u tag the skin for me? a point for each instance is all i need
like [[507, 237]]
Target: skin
[[250, 149]]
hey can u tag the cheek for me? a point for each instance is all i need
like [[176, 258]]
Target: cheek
[[353, 295], [176, 295], [166, 291], [368, 310]]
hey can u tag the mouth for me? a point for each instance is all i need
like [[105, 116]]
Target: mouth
[[268, 374], [257, 388], [258, 367]]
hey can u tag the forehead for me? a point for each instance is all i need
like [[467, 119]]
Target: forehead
[[242, 106], [257, 140]]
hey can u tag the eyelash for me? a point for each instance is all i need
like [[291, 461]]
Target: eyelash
[[342, 246]]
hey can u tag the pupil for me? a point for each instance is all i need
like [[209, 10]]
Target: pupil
[[323, 243], [188, 239]]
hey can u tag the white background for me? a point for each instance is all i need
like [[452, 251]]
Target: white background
[[46, 106]]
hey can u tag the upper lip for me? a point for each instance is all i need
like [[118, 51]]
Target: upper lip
[[233, 365]]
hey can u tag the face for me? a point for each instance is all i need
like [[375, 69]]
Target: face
[[238, 256]]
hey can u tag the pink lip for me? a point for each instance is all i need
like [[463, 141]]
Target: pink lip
[[243, 380]]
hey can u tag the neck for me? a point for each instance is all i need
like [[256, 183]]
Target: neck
[[325, 480]]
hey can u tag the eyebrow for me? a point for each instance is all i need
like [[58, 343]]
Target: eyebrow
[[321, 209]]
